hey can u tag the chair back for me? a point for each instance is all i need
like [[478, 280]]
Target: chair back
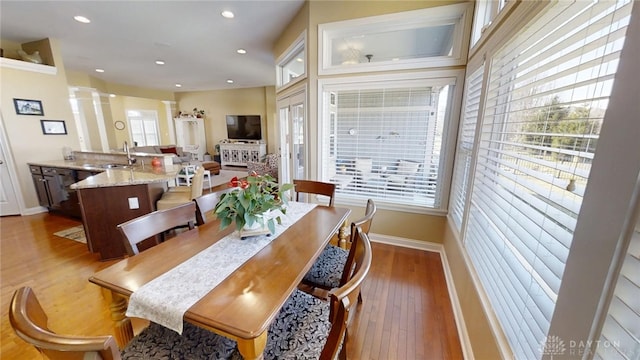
[[197, 182], [29, 321], [364, 224], [345, 297], [156, 223], [314, 187], [206, 203]]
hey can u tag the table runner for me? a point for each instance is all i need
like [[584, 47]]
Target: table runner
[[165, 299]]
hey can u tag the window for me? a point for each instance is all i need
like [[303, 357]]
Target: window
[[621, 332], [385, 139], [485, 13], [144, 127], [409, 40], [547, 92], [466, 134], [292, 65]]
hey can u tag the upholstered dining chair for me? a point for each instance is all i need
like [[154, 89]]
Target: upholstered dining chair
[[155, 224], [335, 265], [174, 198], [314, 187], [30, 323]]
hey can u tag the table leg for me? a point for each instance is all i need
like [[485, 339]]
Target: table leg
[[253, 348], [122, 324], [342, 235]]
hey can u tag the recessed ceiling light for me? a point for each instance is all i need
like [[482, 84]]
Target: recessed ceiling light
[[100, 70], [395, 59], [82, 19], [241, 51], [229, 81], [227, 14], [159, 62], [178, 85], [112, 95]]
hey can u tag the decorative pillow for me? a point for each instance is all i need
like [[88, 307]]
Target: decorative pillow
[[169, 150]]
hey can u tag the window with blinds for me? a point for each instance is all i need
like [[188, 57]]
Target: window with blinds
[[547, 93], [144, 127], [385, 141], [466, 134], [620, 338]]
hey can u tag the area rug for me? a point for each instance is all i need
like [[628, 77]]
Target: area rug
[[75, 233], [224, 177]]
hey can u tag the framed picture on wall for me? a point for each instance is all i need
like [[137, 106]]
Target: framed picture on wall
[[53, 127], [28, 107]]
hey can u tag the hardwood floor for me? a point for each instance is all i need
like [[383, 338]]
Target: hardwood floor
[[406, 312]]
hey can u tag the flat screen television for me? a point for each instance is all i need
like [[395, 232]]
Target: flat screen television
[[244, 127]]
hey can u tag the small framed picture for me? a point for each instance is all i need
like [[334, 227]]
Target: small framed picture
[[28, 107], [53, 127]]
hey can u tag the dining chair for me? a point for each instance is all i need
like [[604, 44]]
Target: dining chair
[[185, 176], [155, 224], [174, 198], [314, 187], [205, 204], [334, 266], [29, 321], [309, 328]]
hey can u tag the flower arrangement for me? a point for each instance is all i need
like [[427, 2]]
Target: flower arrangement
[[251, 197]]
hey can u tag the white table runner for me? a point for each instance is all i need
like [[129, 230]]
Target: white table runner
[[165, 299]]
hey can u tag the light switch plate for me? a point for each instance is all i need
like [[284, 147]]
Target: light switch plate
[[133, 203]]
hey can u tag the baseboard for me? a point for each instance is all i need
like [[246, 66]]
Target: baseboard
[[34, 210], [467, 351]]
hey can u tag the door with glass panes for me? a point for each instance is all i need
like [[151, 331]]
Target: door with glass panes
[[292, 128]]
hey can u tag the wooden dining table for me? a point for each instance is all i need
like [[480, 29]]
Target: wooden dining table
[[244, 304]]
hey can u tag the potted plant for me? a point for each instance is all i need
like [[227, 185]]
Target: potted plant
[[250, 203]]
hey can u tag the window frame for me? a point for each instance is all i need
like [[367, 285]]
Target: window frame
[[150, 113], [459, 14], [449, 132], [298, 45]]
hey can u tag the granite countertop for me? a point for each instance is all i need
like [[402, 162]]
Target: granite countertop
[[117, 176]]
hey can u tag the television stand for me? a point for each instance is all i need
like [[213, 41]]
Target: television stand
[[238, 154]]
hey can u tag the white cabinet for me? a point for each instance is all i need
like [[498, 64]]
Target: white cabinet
[[240, 153], [190, 135]]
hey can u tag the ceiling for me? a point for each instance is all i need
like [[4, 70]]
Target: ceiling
[[125, 38]]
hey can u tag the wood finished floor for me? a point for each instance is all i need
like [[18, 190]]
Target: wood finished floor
[[406, 312]]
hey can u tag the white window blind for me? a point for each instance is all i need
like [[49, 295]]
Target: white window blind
[[620, 338], [547, 94], [384, 141], [466, 134]]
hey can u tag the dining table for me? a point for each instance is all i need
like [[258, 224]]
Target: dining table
[[243, 304]]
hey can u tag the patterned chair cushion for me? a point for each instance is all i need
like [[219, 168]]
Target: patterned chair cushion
[[300, 330], [326, 272], [159, 343]]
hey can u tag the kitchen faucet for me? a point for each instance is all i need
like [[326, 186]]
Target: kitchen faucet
[[130, 160]]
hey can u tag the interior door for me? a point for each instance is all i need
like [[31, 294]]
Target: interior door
[[8, 199], [292, 123]]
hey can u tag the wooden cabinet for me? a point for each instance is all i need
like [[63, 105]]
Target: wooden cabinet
[[238, 154], [53, 189]]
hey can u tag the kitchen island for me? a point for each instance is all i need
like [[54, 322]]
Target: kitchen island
[[117, 195]]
